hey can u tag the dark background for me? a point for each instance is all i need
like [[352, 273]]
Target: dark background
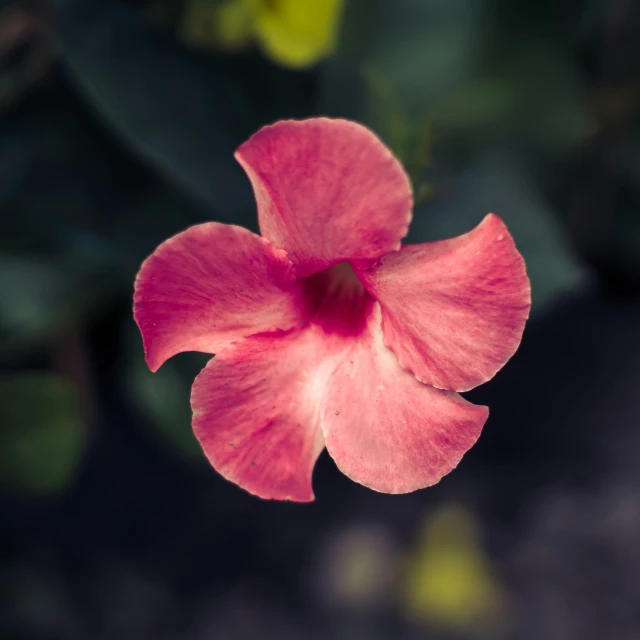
[[118, 121]]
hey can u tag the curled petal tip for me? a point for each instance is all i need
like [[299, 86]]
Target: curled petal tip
[[210, 285], [255, 415]]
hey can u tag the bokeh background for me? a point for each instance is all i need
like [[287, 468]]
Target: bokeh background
[[118, 120]]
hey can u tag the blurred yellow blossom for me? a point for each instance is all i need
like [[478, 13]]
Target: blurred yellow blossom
[[449, 583], [293, 33], [298, 33]]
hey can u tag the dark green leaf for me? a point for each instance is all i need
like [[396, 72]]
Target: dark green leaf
[[163, 398], [42, 436], [184, 112], [40, 297], [455, 68]]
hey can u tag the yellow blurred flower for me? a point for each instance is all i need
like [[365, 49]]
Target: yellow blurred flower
[[293, 33], [298, 33], [449, 583]]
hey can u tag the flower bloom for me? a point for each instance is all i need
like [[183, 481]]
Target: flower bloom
[[327, 332], [292, 33]]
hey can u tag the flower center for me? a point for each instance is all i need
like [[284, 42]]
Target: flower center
[[336, 300]]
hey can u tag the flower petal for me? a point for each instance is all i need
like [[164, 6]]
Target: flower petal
[[255, 412], [385, 429], [453, 311], [327, 191], [209, 285]]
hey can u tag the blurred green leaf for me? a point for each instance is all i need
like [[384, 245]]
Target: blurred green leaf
[[551, 108], [30, 288], [163, 398], [425, 47], [41, 297], [454, 68], [184, 112], [476, 108], [409, 138], [148, 221], [411, 54], [42, 436], [416, 49], [534, 96], [62, 180], [498, 182]]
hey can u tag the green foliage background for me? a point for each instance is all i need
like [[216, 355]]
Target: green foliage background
[[118, 122]]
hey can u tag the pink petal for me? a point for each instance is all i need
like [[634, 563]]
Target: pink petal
[[327, 191], [209, 285], [385, 429], [255, 412], [453, 311]]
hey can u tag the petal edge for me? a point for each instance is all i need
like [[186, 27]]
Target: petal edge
[[453, 311], [392, 433], [255, 413], [209, 285], [327, 191]]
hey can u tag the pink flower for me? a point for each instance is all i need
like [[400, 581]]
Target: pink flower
[[327, 332]]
